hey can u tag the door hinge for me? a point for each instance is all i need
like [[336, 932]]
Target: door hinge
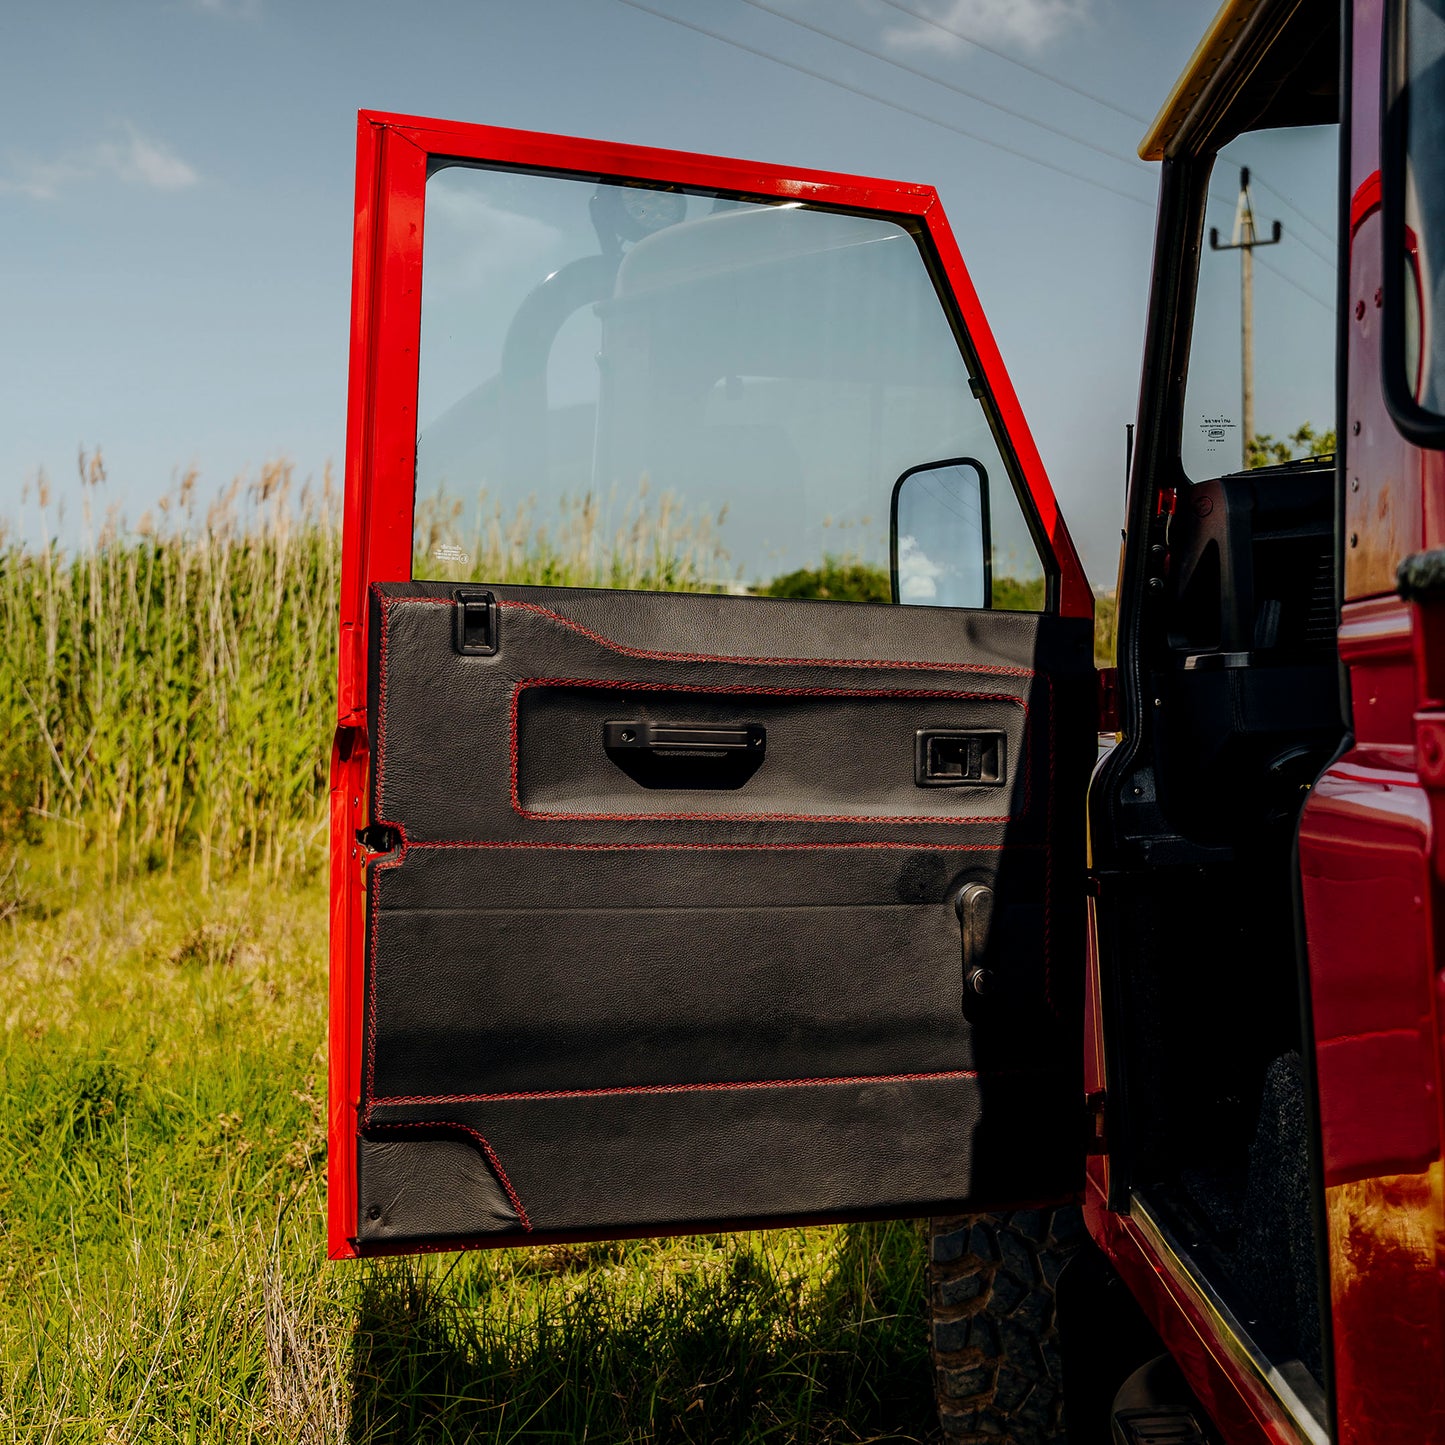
[[1096, 1133], [351, 679]]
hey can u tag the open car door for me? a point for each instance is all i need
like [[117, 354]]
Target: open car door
[[668, 893]]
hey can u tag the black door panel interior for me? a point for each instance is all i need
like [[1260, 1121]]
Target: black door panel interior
[[644, 1005], [835, 754]]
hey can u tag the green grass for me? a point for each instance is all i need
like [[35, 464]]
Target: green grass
[[162, 1182], [165, 716], [167, 685]]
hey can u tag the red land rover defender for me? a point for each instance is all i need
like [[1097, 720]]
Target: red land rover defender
[[670, 903]]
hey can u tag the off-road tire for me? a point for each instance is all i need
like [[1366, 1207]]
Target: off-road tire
[[996, 1362]]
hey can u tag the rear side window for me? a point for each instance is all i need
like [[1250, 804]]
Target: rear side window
[[1268, 302], [625, 386]]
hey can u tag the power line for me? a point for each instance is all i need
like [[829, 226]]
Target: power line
[[1323, 231], [1022, 64], [1303, 290], [943, 124], [1328, 260], [947, 84], [1314, 251], [883, 100], [1297, 209]]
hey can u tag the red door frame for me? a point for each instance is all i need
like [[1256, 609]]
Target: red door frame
[[393, 152]]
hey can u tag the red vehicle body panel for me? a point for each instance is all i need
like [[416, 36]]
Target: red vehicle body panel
[[392, 156], [1371, 875], [1372, 869]]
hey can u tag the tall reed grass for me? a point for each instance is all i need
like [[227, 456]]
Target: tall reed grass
[[169, 684], [647, 542]]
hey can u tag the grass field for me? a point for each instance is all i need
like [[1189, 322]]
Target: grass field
[[165, 717], [162, 1181]]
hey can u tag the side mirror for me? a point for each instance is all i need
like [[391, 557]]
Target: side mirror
[[939, 542], [1412, 200]]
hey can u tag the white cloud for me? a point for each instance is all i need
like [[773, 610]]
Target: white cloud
[[237, 9], [917, 575], [1029, 23], [125, 155], [146, 163], [471, 243]]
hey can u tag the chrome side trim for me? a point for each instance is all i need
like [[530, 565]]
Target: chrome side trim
[[1300, 1399]]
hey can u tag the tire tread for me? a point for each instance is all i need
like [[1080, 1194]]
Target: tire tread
[[995, 1335]]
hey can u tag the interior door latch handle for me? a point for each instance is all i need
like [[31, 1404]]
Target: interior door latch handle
[[684, 739], [686, 754], [954, 758], [974, 906]]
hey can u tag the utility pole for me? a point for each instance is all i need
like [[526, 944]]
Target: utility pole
[[1244, 240]]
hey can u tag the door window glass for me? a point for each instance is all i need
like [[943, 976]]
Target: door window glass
[[636, 387], [1261, 386]]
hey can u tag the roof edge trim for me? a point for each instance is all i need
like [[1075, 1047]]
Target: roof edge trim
[[1203, 65]]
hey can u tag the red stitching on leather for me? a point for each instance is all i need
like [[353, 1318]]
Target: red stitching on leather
[[649, 653], [377, 870], [732, 1085], [387, 602], [486, 1149], [733, 847], [884, 820]]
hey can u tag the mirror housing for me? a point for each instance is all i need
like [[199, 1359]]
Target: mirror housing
[[939, 544], [1412, 200]]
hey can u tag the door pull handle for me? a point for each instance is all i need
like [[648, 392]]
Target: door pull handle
[[685, 754], [683, 739]]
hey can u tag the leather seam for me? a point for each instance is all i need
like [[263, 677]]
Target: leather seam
[[522, 1096], [441, 844], [371, 1026]]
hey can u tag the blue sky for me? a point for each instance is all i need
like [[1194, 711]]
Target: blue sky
[[176, 192]]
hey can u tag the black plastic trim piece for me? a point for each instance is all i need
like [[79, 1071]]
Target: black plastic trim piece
[[958, 758], [474, 630], [1344, 245]]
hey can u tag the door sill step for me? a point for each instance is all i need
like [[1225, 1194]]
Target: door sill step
[[1158, 1427]]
